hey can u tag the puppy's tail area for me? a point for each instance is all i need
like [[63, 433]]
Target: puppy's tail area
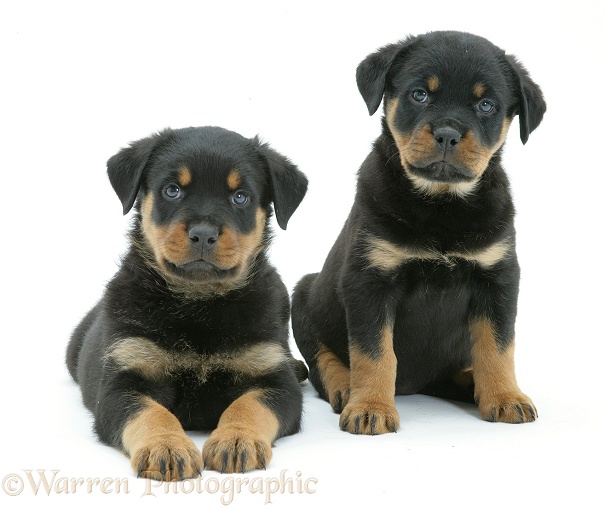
[[301, 323], [72, 353], [300, 369], [306, 337]]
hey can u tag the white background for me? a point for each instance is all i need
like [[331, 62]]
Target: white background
[[80, 80]]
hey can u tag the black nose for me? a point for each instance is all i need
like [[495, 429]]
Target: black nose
[[203, 236], [446, 138]]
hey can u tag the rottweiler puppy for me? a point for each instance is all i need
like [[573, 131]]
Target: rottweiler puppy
[[419, 292], [192, 331]]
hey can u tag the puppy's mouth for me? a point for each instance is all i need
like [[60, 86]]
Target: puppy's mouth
[[443, 172]]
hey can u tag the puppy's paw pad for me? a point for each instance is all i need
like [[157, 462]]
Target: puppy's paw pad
[[369, 418], [508, 408], [236, 449], [170, 457]]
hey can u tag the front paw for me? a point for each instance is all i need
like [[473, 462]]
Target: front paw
[[369, 418], [236, 449], [508, 408], [167, 457]]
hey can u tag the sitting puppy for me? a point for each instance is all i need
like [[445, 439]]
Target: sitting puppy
[[192, 331], [419, 292]]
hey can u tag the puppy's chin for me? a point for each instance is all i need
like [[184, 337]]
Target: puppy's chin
[[442, 178], [443, 172], [201, 279], [200, 271]]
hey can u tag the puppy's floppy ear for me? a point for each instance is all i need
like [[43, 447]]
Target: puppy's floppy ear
[[531, 105], [126, 168], [372, 72], [288, 184]]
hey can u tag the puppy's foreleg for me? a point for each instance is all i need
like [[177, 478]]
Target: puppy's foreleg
[[370, 322]]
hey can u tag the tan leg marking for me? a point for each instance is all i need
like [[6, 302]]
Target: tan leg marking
[[371, 408], [496, 391], [244, 436], [158, 446], [335, 377]]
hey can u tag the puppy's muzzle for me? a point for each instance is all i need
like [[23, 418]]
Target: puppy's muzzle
[[445, 169], [204, 256]]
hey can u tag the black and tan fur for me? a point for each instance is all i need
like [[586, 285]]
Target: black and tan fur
[[419, 292], [192, 331]]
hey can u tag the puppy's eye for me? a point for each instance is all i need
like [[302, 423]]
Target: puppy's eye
[[419, 95], [240, 198], [172, 191], [486, 106]]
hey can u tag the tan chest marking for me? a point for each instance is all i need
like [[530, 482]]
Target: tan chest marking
[[153, 362], [386, 256]]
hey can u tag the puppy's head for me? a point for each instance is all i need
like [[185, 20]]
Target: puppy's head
[[449, 99], [204, 196]]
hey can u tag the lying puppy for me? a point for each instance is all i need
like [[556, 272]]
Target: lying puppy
[[192, 331], [419, 292]]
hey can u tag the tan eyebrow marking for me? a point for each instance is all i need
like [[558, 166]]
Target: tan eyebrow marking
[[433, 83], [479, 90], [234, 180], [184, 176]]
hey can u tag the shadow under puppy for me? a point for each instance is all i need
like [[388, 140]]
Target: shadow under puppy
[[192, 331], [419, 292]]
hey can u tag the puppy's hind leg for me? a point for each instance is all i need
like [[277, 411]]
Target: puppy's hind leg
[[72, 354], [329, 375], [334, 377]]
